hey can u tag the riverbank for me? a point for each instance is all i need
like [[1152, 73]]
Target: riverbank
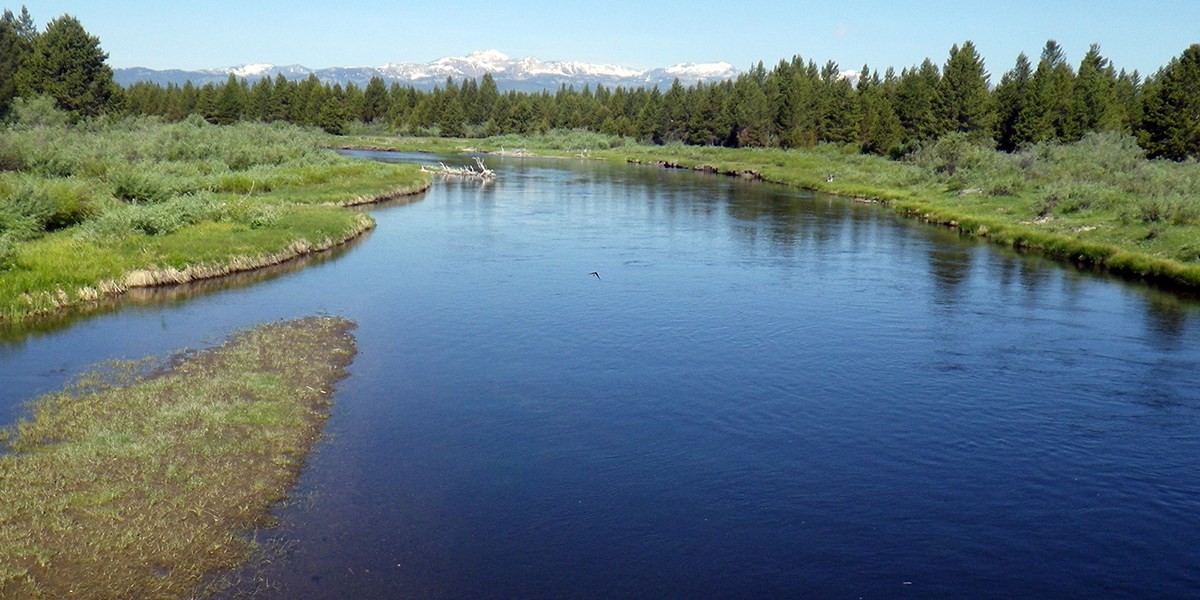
[[1097, 204], [140, 482], [87, 214]]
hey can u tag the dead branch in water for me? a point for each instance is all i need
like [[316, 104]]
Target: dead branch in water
[[480, 171]]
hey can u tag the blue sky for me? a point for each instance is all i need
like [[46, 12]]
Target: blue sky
[[162, 34]]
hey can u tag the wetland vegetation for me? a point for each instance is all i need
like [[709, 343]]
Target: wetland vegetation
[[141, 478], [148, 203]]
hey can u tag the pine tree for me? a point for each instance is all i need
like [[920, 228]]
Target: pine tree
[[1045, 113], [309, 101], [879, 130], [1094, 104], [261, 101], [189, 100], [711, 123], [489, 95], [963, 102], [1171, 109], [332, 114], [752, 116], [354, 102], [401, 100], [67, 64], [521, 117], [17, 35], [1128, 93], [649, 123], [1011, 96], [916, 102], [228, 103], [799, 108], [283, 93], [452, 118], [676, 108]]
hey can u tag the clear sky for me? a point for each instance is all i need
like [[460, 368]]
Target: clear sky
[[193, 34]]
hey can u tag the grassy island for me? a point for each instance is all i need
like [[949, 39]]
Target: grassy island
[[139, 480], [90, 210]]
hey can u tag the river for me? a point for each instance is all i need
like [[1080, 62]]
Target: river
[[763, 393]]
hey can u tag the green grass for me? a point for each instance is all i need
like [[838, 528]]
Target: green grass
[[141, 201], [139, 483], [1097, 203]]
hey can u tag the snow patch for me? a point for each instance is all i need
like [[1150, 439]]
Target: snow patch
[[253, 70], [489, 56], [717, 69]]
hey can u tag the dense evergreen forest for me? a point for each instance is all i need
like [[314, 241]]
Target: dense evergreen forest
[[795, 104]]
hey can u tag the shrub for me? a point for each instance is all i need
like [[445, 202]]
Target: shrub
[[1172, 209], [152, 219], [135, 185], [8, 251], [35, 205], [952, 152], [1065, 197], [38, 111]]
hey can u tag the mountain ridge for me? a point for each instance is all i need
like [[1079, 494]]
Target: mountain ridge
[[521, 74]]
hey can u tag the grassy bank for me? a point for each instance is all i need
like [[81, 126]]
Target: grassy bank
[[1097, 203], [138, 483], [95, 209]]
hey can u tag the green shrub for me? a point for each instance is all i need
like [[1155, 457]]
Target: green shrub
[[135, 185], [34, 205], [951, 153], [152, 219], [1172, 209], [1066, 197], [38, 111]]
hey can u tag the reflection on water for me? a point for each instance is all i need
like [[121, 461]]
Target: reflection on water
[[768, 394]]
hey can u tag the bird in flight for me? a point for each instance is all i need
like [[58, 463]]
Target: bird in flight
[[595, 273]]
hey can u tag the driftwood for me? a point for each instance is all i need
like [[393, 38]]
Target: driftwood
[[480, 171]]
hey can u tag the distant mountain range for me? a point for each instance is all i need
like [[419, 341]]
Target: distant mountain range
[[522, 74]]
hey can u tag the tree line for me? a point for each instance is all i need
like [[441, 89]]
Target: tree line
[[795, 104]]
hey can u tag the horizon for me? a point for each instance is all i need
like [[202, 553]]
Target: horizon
[[221, 34]]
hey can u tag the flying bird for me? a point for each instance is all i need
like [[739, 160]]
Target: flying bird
[[595, 273]]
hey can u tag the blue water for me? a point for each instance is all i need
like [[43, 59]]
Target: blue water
[[766, 393]]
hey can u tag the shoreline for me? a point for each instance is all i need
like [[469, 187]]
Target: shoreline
[[59, 300], [1128, 265], [395, 194], [49, 303]]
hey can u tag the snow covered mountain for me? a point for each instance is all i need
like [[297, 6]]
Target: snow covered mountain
[[524, 74]]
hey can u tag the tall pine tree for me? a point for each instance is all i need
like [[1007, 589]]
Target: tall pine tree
[[879, 130], [917, 100], [68, 65], [1095, 105], [1010, 97], [963, 102], [1171, 109], [17, 35], [1045, 115]]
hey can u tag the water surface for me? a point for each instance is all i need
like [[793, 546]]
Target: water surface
[[766, 393]]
